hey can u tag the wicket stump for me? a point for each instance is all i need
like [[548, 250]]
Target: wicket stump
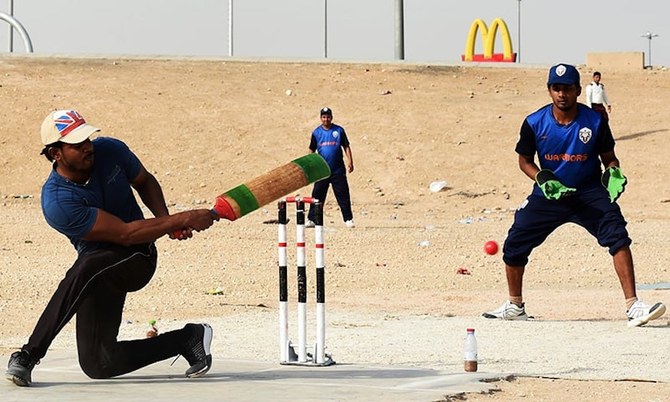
[[287, 353]]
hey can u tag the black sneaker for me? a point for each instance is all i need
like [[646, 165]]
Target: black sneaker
[[20, 367], [197, 350]]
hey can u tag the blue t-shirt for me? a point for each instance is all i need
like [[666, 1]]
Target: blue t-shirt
[[71, 208], [328, 144], [571, 151]]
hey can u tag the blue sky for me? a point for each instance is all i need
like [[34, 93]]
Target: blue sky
[[357, 30]]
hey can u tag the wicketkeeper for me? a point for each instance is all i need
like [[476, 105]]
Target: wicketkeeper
[[573, 144]]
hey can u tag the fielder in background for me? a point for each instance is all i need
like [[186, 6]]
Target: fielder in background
[[88, 198], [330, 140], [571, 142], [596, 96]]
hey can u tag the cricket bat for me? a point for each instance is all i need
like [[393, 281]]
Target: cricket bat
[[277, 183]]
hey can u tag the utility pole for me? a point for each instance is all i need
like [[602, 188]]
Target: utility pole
[[518, 31], [230, 28], [11, 28], [399, 30]]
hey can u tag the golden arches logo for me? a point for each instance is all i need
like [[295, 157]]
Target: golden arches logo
[[488, 39]]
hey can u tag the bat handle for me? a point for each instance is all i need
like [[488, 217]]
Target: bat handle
[[215, 215]]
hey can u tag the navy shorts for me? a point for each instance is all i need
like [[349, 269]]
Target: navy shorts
[[538, 217]]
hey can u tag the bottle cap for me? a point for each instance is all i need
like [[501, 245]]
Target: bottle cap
[[471, 330]]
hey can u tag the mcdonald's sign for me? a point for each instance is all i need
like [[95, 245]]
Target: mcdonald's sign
[[488, 40]]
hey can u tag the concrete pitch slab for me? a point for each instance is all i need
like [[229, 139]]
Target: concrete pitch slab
[[59, 378]]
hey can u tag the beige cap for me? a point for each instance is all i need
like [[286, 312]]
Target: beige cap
[[65, 126]]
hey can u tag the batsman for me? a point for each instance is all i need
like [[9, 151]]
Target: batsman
[[88, 197], [577, 179]]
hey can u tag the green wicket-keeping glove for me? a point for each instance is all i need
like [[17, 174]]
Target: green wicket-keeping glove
[[551, 187], [615, 182]]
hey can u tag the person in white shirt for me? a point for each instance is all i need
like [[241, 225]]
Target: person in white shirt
[[596, 96]]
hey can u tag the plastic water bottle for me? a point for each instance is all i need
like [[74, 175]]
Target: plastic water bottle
[[470, 351]]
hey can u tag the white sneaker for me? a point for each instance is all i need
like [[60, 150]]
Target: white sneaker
[[309, 224], [508, 311], [350, 223], [641, 313]]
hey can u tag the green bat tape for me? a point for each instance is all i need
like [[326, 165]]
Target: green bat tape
[[244, 198], [313, 166]]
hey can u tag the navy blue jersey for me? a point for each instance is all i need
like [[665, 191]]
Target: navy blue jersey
[[571, 151], [328, 144], [71, 208]]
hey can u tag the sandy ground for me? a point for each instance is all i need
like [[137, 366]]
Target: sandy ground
[[202, 127]]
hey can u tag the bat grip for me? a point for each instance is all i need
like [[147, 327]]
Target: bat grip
[[215, 215]]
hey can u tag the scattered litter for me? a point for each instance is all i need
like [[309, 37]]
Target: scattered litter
[[437, 186], [470, 220], [380, 264], [462, 271], [217, 291], [424, 243], [153, 332], [339, 265]]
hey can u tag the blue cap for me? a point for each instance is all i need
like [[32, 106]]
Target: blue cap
[[565, 74]]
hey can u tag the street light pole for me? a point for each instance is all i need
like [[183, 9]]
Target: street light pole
[[649, 36], [11, 28], [325, 29], [399, 30], [518, 31], [230, 28]]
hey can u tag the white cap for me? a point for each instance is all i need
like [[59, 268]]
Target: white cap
[[65, 126]]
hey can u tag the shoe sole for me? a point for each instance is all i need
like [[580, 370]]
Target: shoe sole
[[17, 380], [517, 318], [207, 343], [638, 322], [201, 371]]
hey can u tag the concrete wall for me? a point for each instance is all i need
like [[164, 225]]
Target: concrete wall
[[623, 61]]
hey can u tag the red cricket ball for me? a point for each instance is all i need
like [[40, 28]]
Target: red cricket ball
[[491, 247]]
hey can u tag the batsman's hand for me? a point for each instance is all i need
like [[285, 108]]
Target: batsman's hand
[[202, 219], [614, 181], [551, 187], [182, 234], [194, 220]]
